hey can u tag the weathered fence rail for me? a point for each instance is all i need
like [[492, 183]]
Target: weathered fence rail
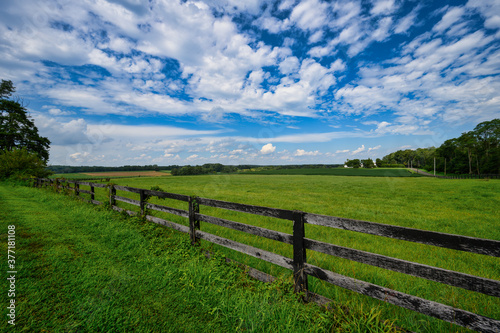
[[298, 264]]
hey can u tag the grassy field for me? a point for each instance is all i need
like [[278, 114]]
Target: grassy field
[[377, 172], [81, 268], [464, 207], [96, 175]]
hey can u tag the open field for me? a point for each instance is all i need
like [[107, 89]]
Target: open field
[[81, 268], [376, 172], [127, 174], [464, 207]]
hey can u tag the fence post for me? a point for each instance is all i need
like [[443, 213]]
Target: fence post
[[92, 194], [142, 201], [299, 254], [193, 223], [112, 193], [77, 189]]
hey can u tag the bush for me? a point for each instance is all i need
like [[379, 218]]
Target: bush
[[20, 163]]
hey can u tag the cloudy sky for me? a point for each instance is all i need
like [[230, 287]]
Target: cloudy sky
[[116, 82]]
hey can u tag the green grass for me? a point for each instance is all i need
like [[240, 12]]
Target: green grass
[[464, 207], [86, 269], [377, 172]]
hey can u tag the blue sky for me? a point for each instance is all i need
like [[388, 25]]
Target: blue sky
[[129, 82]]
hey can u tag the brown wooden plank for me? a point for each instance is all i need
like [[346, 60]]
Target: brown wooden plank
[[170, 210], [85, 191], [257, 210], [127, 200], [430, 308], [267, 233], [247, 249], [172, 225], [129, 212], [168, 195], [94, 184], [128, 189], [456, 279], [455, 242]]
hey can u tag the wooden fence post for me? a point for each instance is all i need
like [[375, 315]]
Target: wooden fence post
[[77, 189], [193, 223], [299, 254], [142, 201], [112, 193], [92, 195]]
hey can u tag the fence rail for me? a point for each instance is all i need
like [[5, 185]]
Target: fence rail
[[298, 264]]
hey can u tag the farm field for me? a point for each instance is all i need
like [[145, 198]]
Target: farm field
[[127, 174], [376, 172], [464, 207], [81, 268], [109, 174]]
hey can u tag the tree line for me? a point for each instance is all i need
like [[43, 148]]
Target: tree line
[[474, 152]]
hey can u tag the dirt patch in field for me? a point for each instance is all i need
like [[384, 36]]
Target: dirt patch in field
[[128, 174]]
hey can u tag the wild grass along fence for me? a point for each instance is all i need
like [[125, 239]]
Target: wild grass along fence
[[298, 264]]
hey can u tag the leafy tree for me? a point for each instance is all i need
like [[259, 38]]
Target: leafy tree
[[356, 163], [17, 129], [20, 163], [368, 163]]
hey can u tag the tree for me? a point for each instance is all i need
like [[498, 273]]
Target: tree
[[356, 163], [17, 129], [368, 163], [20, 163]]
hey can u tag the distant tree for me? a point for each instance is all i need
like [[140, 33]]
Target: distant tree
[[368, 163], [17, 129], [356, 163], [379, 162]]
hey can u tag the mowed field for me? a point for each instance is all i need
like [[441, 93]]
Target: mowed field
[[127, 174], [464, 207], [375, 172]]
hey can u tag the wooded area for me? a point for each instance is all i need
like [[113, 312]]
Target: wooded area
[[474, 152]]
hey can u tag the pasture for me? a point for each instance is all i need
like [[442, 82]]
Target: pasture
[[82, 268], [376, 172], [464, 207]]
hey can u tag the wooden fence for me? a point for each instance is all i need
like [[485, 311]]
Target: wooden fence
[[298, 264]]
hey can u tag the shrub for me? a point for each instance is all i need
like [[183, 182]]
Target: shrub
[[20, 163]]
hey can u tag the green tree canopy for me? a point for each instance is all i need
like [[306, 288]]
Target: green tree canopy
[[17, 129]]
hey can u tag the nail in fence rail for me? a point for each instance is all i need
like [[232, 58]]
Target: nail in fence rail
[[301, 269]]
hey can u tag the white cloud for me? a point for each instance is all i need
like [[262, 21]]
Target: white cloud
[[449, 18], [374, 148], [268, 149], [310, 14], [302, 152], [383, 7], [359, 150], [342, 151]]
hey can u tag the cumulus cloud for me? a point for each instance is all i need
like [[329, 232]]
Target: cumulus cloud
[[268, 149]]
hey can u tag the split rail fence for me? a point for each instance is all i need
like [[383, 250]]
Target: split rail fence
[[298, 264]]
